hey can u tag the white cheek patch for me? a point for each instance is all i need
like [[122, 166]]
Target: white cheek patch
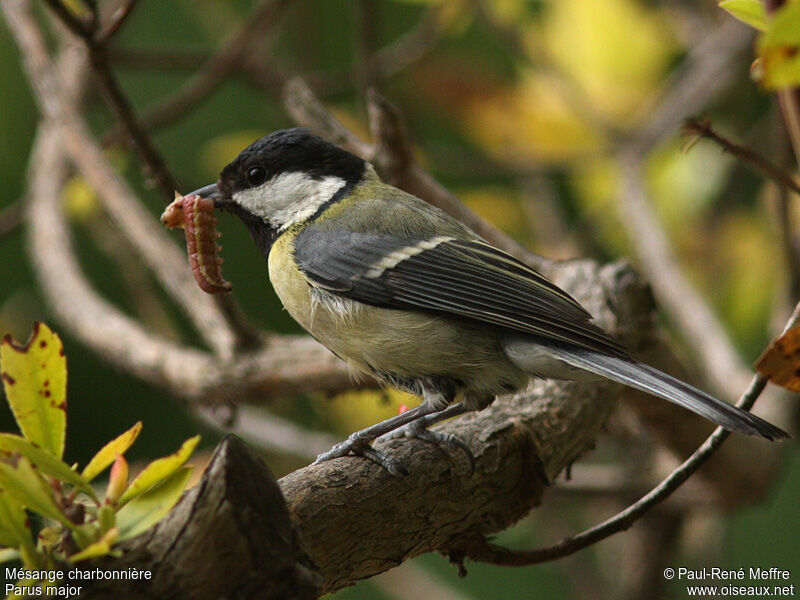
[[288, 198]]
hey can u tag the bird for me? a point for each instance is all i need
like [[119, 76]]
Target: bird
[[399, 289]]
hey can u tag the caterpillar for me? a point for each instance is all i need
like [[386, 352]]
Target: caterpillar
[[195, 215]]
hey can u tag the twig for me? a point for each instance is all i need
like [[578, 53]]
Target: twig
[[139, 289], [386, 62], [154, 165], [118, 19], [289, 364], [366, 17], [304, 107], [707, 337], [10, 218], [479, 549], [76, 25], [411, 46], [231, 56], [307, 110], [701, 128], [236, 333], [703, 74], [143, 231]]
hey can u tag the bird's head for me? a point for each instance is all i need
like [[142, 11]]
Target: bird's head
[[284, 178]]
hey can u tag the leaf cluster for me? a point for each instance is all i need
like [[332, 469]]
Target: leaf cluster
[[75, 521]]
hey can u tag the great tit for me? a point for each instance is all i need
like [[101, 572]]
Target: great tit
[[399, 289]]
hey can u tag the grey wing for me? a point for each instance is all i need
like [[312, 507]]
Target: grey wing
[[465, 278]]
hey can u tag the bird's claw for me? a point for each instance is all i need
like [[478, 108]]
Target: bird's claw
[[357, 446], [448, 442]]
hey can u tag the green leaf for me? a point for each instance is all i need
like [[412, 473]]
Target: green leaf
[[148, 509], [748, 11], [109, 452], [23, 483], [158, 470], [45, 462], [35, 380], [99, 548], [13, 531], [779, 48], [86, 533]]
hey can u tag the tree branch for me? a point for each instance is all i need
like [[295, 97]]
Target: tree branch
[[117, 101], [287, 364], [701, 128], [392, 147], [144, 232], [520, 444], [231, 56], [234, 521], [707, 338], [481, 550]]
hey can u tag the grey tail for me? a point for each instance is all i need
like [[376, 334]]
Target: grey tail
[[646, 378]]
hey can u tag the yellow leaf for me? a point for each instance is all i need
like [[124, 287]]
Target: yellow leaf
[[99, 548], [49, 465], [108, 453], [22, 482], [35, 379], [159, 469], [148, 509], [616, 51], [779, 48], [748, 11], [530, 122]]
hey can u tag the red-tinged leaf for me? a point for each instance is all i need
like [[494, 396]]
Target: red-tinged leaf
[[35, 379], [780, 362]]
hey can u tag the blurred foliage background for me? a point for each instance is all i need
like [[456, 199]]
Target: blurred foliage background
[[514, 106]]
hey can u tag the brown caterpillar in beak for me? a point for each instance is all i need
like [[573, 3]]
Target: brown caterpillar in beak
[[195, 215]]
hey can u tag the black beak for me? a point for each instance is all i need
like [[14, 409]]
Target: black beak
[[213, 192]]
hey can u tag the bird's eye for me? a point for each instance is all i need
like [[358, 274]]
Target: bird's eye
[[256, 176]]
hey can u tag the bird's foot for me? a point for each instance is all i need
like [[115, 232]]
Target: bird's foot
[[448, 442], [359, 445], [413, 423]]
